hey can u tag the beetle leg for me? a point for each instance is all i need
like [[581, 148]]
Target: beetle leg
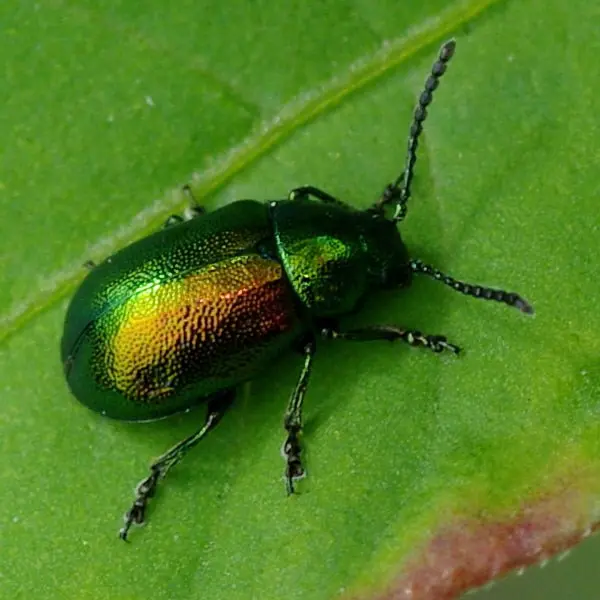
[[304, 191], [389, 195], [477, 291], [436, 343], [293, 423], [146, 488], [172, 220], [192, 211]]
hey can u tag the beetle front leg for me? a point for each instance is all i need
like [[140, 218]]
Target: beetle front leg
[[146, 488], [305, 191], [390, 195], [293, 423], [435, 343]]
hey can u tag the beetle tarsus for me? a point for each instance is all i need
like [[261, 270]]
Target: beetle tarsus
[[390, 195], [305, 191], [144, 490], [292, 422], [192, 211], [291, 451], [173, 220], [435, 343], [439, 343], [217, 406]]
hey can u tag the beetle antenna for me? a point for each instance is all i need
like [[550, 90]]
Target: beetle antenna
[[399, 190]]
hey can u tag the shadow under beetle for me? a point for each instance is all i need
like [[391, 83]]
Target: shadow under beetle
[[187, 314]]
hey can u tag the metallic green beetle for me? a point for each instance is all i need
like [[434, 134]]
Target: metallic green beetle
[[189, 313]]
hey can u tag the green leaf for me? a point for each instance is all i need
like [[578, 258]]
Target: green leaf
[[427, 475]]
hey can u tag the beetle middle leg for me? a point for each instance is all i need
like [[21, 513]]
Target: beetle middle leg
[[293, 422], [217, 406], [192, 211], [305, 191], [435, 343]]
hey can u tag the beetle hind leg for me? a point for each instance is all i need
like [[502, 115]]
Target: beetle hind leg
[[292, 422], [145, 490]]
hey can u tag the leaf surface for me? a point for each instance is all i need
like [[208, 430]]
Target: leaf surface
[[427, 475]]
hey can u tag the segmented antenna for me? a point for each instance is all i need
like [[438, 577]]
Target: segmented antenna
[[394, 190], [470, 289]]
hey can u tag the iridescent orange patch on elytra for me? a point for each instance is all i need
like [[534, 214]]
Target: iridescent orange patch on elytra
[[198, 318]]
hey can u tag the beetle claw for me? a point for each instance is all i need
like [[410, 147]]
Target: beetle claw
[[143, 492], [294, 470], [439, 343]]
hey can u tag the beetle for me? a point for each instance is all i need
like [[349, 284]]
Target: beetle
[[190, 312]]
